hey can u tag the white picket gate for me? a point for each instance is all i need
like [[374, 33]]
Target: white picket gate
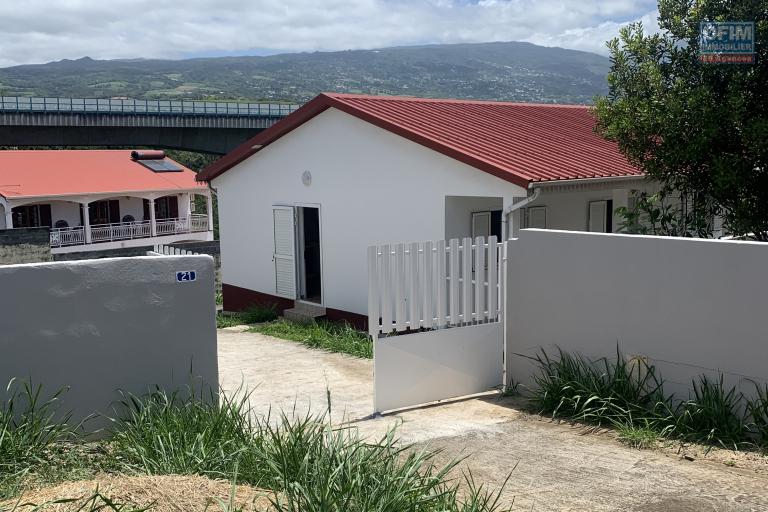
[[446, 296]]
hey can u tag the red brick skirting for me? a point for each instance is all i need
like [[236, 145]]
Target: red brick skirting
[[240, 299]]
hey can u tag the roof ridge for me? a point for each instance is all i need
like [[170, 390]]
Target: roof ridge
[[468, 101]]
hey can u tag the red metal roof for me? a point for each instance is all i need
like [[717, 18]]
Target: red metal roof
[[518, 142], [35, 173]]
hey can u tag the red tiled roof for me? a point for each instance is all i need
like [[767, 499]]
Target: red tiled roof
[[518, 142], [34, 173]]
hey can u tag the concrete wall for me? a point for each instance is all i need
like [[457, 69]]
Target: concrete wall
[[372, 187], [691, 306], [97, 326], [24, 245]]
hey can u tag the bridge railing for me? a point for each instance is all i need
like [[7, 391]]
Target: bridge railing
[[151, 107]]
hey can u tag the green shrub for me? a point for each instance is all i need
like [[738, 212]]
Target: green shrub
[[330, 336]]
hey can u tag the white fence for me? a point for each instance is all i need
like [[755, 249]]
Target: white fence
[[446, 297], [427, 285]]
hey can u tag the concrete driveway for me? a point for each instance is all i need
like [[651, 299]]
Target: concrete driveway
[[554, 467]]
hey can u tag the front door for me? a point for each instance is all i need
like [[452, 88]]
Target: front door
[[310, 285], [284, 255]]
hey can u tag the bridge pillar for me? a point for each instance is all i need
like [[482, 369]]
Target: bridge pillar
[[86, 221], [152, 224]]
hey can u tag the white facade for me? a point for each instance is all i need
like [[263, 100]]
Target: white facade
[[371, 187], [71, 229]]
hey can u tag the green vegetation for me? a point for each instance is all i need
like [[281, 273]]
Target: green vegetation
[[629, 396], [253, 315], [699, 129], [498, 71], [306, 462], [330, 336], [29, 431]]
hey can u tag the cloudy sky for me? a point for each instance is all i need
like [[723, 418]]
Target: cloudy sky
[[35, 31]]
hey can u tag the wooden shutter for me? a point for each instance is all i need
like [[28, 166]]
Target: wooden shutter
[[114, 211], [598, 216], [284, 218], [45, 215]]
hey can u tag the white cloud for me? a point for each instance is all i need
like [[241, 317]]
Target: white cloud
[[45, 30]]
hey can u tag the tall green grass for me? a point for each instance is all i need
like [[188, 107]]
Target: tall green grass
[[185, 432], [31, 425], [322, 334], [629, 395], [311, 465]]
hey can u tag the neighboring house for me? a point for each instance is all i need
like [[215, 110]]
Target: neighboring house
[[300, 202], [102, 199]]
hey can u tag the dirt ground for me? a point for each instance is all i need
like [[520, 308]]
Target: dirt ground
[[163, 493], [554, 466]]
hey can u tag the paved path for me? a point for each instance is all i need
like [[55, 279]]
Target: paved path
[[557, 467]]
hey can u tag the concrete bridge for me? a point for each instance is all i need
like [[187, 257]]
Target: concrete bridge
[[204, 126]]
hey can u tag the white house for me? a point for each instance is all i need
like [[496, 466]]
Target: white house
[[102, 199], [300, 202]]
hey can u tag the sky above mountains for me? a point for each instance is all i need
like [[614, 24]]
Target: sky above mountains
[[37, 31]]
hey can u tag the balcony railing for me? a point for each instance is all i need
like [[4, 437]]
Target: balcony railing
[[63, 237], [122, 231]]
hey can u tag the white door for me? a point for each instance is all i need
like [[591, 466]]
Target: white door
[[284, 218]]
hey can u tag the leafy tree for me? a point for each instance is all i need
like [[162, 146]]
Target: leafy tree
[[701, 130]]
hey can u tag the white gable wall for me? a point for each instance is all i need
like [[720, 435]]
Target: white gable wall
[[372, 186]]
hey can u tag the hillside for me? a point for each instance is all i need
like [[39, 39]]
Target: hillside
[[501, 71]]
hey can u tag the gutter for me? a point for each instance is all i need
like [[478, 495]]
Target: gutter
[[516, 206]]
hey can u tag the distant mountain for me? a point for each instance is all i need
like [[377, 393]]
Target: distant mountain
[[501, 71]]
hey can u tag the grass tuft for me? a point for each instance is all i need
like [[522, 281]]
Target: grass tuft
[[322, 334], [629, 395], [308, 463], [30, 427], [642, 437], [184, 432]]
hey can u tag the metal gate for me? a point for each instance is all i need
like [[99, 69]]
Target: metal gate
[[434, 314]]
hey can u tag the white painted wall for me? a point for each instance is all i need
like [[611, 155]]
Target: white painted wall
[[65, 210], [458, 213], [691, 306], [372, 186], [568, 206], [98, 326]]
